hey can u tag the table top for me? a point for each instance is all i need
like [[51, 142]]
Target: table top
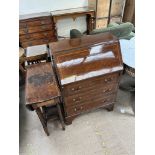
[[128, 51], [41, 85], [71, 11]]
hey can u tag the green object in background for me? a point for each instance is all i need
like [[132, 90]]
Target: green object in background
[[122, 31]]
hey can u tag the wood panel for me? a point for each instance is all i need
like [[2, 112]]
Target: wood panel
[[92, 4], [102, 8], [117, 7], [129, 12], [115, 19], [101, 23]]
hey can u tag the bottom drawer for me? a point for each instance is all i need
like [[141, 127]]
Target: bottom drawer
[[90, 105]]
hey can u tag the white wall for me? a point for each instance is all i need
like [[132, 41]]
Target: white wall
[[64, 26], [35, 6]]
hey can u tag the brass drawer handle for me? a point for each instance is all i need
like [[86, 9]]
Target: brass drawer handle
[[45, 34], [42, 22], [106, 90], [80, 87], [77, 109], [77, 99], [104, 101], [73, 89], [108, 79]]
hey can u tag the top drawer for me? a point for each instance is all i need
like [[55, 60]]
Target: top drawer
[[35, 22], [85, 85]]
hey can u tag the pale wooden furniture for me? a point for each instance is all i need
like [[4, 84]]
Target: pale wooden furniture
[[107, 11]]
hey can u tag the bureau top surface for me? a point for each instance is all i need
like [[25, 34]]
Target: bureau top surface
[[85, 41], [40, 83], [90, 56]]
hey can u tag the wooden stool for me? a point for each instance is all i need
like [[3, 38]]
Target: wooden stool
[[36, 54], [42, 91]]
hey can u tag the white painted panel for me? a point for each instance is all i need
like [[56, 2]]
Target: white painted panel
[[65, 25], [36, 6]]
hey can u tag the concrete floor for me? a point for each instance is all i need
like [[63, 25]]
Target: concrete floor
[[95, 133]]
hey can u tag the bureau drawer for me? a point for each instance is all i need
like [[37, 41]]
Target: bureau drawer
[[91, 104], [35, 22], [38, 42], [35, 29], [85, 85], [95, 93], [40, 35]]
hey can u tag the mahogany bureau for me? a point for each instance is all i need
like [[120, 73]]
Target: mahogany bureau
[[88, 70]]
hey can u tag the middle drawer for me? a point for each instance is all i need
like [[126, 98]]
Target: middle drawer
[[93, 83], [92, 93]]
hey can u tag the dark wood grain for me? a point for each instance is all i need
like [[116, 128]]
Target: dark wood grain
[[37, 31], [40, 83], [88, 71]]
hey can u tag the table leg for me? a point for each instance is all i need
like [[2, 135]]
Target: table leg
[[60, 116], [90, 23], [42, 120]]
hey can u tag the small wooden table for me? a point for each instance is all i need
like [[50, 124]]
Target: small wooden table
[[42, 90], [74, 13]]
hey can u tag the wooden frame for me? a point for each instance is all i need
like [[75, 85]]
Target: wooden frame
[[74, 13], [107, 9]]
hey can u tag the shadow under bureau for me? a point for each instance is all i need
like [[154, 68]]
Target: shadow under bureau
[[88, 70]]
